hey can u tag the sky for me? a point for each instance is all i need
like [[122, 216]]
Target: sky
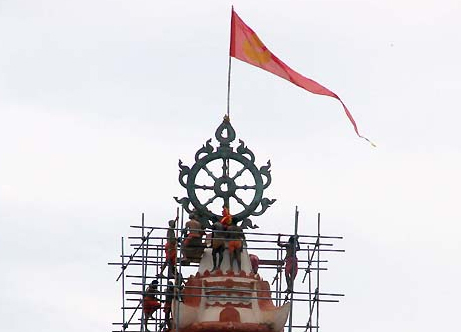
[[99, 99]]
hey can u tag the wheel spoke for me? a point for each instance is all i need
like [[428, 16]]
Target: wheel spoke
[[210, 173], [239, 173], [245, 187], [204, 187], [225, 165], [240, 201], [210, 200]]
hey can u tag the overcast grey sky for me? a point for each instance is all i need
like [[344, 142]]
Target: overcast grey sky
[[99, 99]]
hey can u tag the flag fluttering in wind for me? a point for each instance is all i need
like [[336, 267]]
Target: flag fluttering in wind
[[246, 46]]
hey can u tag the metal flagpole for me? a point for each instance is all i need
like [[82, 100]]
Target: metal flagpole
[[229, 68], [229, 86]]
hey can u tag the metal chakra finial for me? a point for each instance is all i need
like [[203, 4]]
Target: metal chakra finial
[[225, 185]]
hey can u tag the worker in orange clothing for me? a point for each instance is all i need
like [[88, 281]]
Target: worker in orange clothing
[[170, 250], [235, 245], [226, 219]]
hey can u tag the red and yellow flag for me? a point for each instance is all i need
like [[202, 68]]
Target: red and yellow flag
[[246, 46]]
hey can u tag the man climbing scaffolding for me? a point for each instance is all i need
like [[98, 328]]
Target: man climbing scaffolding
[[291, 261], [150, 302]]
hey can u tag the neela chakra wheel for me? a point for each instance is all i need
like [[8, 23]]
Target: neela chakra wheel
[[224, 170]]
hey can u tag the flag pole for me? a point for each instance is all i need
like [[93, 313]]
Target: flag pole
[[228, 86], [229, 81], [230, 64]]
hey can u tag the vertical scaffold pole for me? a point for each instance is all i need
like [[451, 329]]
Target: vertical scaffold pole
[[146, 263], [277, 281], [293, 269], [310, 288], [318, 271], [143, 262], [158, 263], [123, 286], [178, 276]]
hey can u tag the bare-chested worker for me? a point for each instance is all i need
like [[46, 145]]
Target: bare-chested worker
[[193, 229], [193, 246], [291, 261]]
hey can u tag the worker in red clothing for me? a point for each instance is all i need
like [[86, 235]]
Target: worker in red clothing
[[254, 260], [291, 261]]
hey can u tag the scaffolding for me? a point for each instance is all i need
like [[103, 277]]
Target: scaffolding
[[148, 255]]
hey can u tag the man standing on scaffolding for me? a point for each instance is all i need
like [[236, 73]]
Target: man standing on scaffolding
[[291, 261], [170, 250], [235, 239]]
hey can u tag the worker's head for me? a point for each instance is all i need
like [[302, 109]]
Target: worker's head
[[292, 239]]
